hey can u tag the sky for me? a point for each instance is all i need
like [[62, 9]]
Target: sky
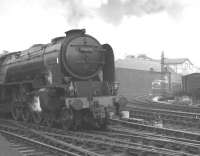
[[131, 27]]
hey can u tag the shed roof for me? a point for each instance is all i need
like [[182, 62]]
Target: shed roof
[[192, 74], [139, 64], [176, 61]]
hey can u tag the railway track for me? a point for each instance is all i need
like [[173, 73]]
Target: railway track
[[172, 117], [148, 111], [112, 143], [119, 146], [27, 146], [24, 139], [170, 133], [152, 140], [164, 105]]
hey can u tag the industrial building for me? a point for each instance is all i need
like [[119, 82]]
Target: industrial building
[[137, 75]]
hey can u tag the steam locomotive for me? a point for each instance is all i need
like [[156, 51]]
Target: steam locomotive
[[70, 82]]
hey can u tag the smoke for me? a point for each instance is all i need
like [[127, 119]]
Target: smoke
[[113, 11], [35, 105], [75, 11]]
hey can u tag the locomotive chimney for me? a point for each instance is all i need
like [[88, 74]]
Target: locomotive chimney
[[75, 32]]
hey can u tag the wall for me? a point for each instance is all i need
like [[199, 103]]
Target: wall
[[135, 82]]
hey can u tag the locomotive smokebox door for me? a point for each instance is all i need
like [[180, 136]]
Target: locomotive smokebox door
[[82, 56]]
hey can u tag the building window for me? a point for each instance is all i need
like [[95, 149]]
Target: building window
[[186, 65]]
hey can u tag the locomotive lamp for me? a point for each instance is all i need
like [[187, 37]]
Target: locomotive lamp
[[71, 89]]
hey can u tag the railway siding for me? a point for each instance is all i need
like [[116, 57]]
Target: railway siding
[[163, 131], [86, 143], [149, 110], [164, 105]]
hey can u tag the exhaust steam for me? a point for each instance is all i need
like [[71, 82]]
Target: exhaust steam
[[36, 104]]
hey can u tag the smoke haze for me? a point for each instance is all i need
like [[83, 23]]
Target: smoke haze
[[113, 11]]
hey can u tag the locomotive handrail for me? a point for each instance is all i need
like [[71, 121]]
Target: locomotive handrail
[[83, 45], [98, 48], [90, 62]]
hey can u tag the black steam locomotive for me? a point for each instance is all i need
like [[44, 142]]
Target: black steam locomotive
[[70, 81]]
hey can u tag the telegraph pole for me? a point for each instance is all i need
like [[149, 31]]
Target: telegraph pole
[[162, 65], [162, 75]]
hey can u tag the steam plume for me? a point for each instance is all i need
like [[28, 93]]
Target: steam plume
[[113, 11]]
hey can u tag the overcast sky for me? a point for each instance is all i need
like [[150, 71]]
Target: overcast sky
[[131, 26]]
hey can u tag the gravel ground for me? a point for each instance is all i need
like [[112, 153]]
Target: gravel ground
[[5, 148]]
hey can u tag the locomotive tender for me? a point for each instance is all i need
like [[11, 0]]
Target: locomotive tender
[[70, 81]]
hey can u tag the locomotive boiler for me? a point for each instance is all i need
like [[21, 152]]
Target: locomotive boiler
[[70, 81]]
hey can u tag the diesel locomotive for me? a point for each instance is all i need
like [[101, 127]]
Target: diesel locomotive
[[70, 82]]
